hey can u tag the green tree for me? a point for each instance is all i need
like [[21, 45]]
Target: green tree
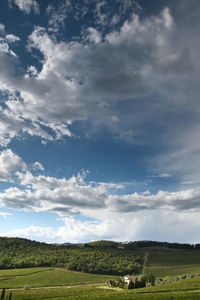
[[152, 279], [131, 285], [3, 294]]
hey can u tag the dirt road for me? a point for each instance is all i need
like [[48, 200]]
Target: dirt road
[[146, 256]]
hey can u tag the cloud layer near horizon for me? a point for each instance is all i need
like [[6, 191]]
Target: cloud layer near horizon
[[119, 228], [112, 211]]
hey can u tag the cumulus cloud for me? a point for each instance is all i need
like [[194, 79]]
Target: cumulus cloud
[[63, 196], [79, 76], [75, 195], [11, 38], [13, 121], [180, 201], [5, 41], [10, 162], [94, 35]]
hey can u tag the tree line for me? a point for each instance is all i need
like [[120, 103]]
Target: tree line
[[143, 244]]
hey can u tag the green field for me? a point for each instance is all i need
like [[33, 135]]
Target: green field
[[35, 277], [173, 270], [159, 258], [184, 289], [173, 262]]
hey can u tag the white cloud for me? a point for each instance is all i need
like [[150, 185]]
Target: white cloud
[[31, 72], [134, 226], [51, 194], [74, 195], [10, 162], [11, 38], [181, 201], [5, 215], [79, 231], [83, 80], [70, 196], [138, 226], [168, 20], [5, 40], [94, 35], [27, 5], [37, 166], [31, 232]]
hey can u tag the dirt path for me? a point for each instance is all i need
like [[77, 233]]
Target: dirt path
[[53, 287], [146, 256]]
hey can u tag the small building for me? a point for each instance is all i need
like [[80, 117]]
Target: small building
[[129, 278]]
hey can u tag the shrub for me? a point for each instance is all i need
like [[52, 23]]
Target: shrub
[[27, 287]]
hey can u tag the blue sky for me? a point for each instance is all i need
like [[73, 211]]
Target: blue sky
[[99, 120]]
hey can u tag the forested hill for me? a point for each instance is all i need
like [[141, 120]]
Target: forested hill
[[141, 244], [103, 257], [6, 243], [144, 244], [22, 253]]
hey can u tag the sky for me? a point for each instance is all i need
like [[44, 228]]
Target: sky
[[100, 120]]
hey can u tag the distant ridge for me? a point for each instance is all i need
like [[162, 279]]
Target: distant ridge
[[102, 244]]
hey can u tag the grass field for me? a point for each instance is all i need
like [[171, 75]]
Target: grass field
[[35, 277], [184, 289], [173, 262]]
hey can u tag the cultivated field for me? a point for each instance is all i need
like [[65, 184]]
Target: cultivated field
[[37, 277], [173, 262]]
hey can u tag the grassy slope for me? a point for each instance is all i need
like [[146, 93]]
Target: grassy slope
[[184, 289], [46, 277], [173, 262]]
